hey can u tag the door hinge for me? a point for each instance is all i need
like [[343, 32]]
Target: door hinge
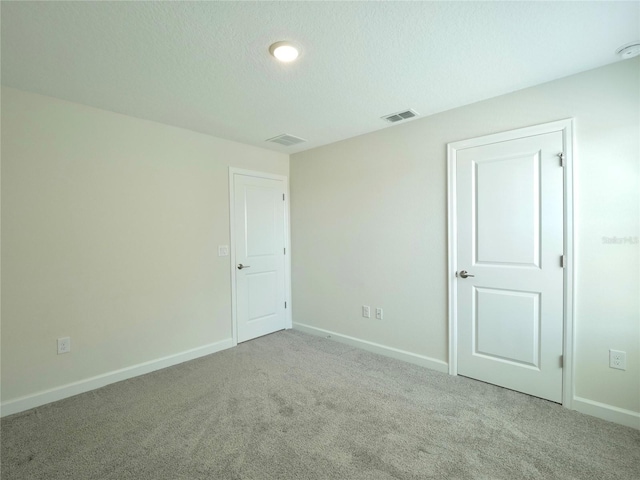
[[561, 361], [283, 197], [561, 157], [285, 304], [563, 261], [285, 250]]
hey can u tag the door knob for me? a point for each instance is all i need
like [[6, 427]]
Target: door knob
[[464, 274], [241, 266]]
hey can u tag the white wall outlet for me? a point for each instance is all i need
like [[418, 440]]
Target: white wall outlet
[[223, 250], [379, 313], [618, 359], [366, 311], [64, 345]]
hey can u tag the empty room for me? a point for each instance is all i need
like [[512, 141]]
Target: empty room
[[320, 240]]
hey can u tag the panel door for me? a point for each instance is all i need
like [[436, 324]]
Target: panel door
[[259, 252], [510, 242]]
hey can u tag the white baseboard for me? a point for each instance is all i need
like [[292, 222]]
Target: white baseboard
[[47, 396], [607, 412], [403, 355]]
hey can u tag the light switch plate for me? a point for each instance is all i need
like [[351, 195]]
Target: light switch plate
[[223, 250]]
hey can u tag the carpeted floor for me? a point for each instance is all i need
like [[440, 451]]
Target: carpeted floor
[[294, 406]]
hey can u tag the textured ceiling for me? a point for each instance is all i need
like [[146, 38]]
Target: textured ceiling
[[205, 66]]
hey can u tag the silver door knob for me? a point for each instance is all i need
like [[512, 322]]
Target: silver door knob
[[464, 274], [241, 266]]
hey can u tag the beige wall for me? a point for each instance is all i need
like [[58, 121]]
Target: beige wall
[[369, 219], [110, 228]]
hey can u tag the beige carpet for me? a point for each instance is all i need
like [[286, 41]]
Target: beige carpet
[[293, 406]]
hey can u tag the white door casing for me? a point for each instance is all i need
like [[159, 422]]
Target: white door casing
[[510, 225], [259, 256]]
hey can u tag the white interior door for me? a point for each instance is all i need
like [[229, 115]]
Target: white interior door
[[509, 198], [259, 237]]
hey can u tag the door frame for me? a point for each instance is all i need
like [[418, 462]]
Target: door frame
[[565, 126], [287, 239]]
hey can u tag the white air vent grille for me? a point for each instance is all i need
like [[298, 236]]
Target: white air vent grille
[[397, 117], [286, 140]]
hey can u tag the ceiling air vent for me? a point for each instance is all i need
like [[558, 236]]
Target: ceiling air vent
[[397, 117], [286, 140]]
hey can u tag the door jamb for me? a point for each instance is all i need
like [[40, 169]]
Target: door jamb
[[565, 126], [287, 240]]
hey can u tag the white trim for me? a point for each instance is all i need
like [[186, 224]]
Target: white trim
[[257, 174], [566, 127], [557, 126], [287, 257], [607, 412], [403, 355], [287, 238], [568, 366], [232, 248], [452, 248], [52, 395]]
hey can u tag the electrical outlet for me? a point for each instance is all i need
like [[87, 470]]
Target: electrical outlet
[[64, 345], [618, 359], [366, 311], [379, 313]]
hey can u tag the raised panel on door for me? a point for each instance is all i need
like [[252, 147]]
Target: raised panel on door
[[506, 326], [261, 295], [261, 206], [507, 210], [510, 238]]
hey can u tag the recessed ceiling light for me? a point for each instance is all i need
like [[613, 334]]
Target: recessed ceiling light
[[284, 51], [629, 50]]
